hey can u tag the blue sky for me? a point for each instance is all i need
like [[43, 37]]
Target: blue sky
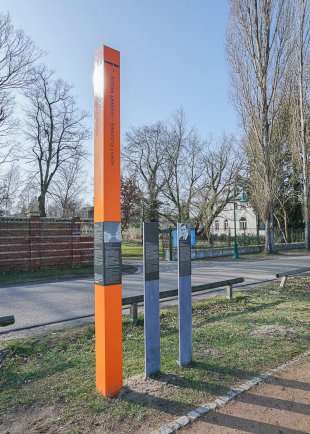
[[172, 54]]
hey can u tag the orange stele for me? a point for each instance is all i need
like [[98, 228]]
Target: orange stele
[[108, 299]]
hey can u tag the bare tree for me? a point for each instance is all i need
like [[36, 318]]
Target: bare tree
[[28, 197], [67, 188], [54, 129], [145, 153], [300, 104], [287, 205], [9, 187], [258, 47], [17, 55], [131, 200], [182, 168], [222, 166]]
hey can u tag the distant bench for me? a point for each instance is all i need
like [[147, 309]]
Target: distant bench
[[133, 301], [284, 276], [7, 320]]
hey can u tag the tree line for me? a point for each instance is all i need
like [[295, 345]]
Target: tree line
[[176, 175], [268, 53], [50, 140], [169, 172], [184, 178]]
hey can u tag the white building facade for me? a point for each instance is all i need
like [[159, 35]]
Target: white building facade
[[246, 220]]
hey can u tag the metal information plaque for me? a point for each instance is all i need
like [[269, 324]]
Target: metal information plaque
[[151, 251], [184, 235], [107, 253]]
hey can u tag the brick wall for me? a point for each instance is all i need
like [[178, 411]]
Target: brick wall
[[36, 243]]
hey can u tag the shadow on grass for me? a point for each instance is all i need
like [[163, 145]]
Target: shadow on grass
[[183, 387], [192, 384], [226, 371], [146, 399], [228, 315]]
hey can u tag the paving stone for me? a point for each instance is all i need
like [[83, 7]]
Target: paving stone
[[244, 387], [193, 414], [202, 410], [257, 380], [232, 394], [238, 390], [173, 425], [165, 430], [183, 421], [251, 383], [212, 405], [224, 398], [220, 402]]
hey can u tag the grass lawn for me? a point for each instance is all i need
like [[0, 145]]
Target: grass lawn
[[131, 251], [135, 251], [48, 382]]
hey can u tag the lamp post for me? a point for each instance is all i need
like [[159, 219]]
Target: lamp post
[[236, 256]]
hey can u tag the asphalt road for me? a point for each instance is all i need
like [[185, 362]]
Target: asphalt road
[[41, 303]]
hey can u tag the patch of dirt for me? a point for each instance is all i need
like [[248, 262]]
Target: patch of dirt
[[162, 386], [273, 331], [210, 352], [278, 406], [26, 420]]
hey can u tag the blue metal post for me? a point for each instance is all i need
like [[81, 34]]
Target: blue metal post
[[185, 294]]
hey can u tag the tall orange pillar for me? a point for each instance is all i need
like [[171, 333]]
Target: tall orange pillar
[[107, 217]]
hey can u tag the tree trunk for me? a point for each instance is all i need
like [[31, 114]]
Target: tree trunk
[[209, 236], [288, 238], [41, 200], [307, 221], [269, 234], [151, 211]]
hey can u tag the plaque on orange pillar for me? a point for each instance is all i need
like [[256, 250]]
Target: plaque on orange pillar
[[107, 228], [107, 253]]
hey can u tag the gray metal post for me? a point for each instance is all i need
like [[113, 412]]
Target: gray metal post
[[151, 297]]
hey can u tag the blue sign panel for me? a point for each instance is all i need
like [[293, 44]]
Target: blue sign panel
[[175, 237]]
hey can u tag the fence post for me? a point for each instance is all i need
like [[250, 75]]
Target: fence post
[[76, 242], [229, 292], [34, 240], [134, 312]]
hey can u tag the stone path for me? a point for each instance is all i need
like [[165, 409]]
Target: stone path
[[280, 405]]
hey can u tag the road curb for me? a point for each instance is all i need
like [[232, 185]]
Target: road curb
[[183, 421]]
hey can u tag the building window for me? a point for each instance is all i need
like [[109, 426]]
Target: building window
[[242, 224], [226, 226], [217, 225]]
